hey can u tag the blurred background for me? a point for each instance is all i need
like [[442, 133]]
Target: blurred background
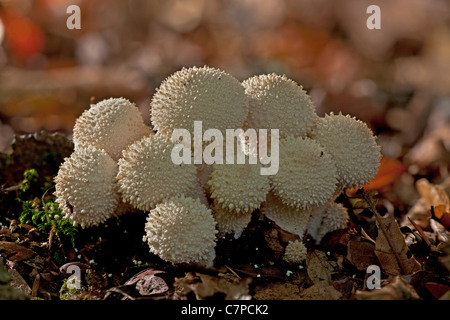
[[397, 79]]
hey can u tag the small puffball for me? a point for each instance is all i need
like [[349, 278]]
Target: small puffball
[[295, 252]]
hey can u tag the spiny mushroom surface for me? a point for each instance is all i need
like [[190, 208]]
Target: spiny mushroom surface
[[352, 146], [112, 125], [288, 218], [198, 94], [230, 221], [181, 230], [295, 252], [306, 176], [86, 187], [238, 187], [330, 217], [279, 103], [147, 174]]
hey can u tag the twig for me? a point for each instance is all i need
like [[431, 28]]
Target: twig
[[233, 272], [422, 234]]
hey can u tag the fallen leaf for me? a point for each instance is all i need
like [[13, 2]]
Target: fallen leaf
[[397, 289], [389, 171], [321, 291], [148, 283], [391, 249], [16, 252], [206, 286], [18, 282], [434, 195], [390, 246], [361, 253], [319, 268], [437, 289], [277, 291]]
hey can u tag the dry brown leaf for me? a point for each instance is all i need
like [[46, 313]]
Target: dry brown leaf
[[319, 268], [361, 253], [321, 291], [434, 195], [148, 282], [391, 249], [277, 291], [397, 289], [15, 252], [206, 286]]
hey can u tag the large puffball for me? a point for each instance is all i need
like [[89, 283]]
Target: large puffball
[[307, 175], [238, 187], [147, 175], [112, 125], [181, 230], [86, 187], [276, 102], [352, 146], [198, 94]]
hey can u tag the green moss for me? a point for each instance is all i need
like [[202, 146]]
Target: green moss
[[30, 177], [70, 290]]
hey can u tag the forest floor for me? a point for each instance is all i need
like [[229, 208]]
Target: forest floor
[[397, 238]]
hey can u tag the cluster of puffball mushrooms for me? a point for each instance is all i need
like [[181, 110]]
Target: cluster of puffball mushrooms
[[120, 165]]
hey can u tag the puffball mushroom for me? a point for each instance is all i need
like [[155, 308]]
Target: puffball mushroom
[[112, 125], [288, 218], [352, 146], [307, 175], [147, 174], [278, 102], [181, 230], [295, 252], [86, 187], [330, 217], [198, 94], [238, 187], [230, 221]]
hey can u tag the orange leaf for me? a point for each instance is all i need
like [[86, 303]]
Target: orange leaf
[[390, 169], [439, 211], [24, 37]]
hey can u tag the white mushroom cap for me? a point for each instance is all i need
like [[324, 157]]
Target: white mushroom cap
[[307, 175], [352, 146], [198, 94], [276, 102], [295, 252], [330, 217], [230, 221], [112, 125], [238, 187], [181, 230], [288, 218], [86, 187], [147, 174]]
